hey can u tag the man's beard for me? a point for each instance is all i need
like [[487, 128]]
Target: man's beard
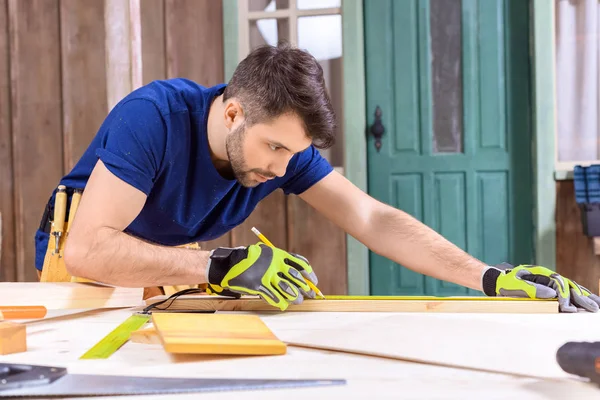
[[234, 144]]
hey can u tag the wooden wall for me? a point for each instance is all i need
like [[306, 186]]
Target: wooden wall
[[53, 98], [575, 256]]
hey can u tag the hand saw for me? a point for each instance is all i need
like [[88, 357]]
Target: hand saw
[[32, 381]]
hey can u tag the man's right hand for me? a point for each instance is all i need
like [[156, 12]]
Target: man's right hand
[[273, 274]]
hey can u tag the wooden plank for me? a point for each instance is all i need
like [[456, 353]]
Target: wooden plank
[[195, 40], [13, 338], [152, 15], [269, 217], [67, 295], [575, 258], [194, 50], [36, 118], [322, 242], [118, 51], [456, 346], [83, 60], [191, 333], [7, 210], [438, 305]]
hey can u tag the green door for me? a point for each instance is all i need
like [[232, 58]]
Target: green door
[[448, 80]]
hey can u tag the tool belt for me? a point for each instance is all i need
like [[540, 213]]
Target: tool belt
[[48, 216], [54, 269]]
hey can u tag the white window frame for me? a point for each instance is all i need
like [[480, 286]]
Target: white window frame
[[292, 13]]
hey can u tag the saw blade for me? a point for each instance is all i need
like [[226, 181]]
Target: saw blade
[[106, 385]]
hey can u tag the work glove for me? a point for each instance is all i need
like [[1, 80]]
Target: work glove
[[538, 282], [275, 275]]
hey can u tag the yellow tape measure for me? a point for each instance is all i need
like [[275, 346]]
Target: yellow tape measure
[[433, 298], [117, 337]]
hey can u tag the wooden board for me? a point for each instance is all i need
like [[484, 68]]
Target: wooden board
[[152, 21], [191, 333], [194, 40], [519, 345], [7, 211], [83, 60], [66, 295], [437, 305], [36, 118]]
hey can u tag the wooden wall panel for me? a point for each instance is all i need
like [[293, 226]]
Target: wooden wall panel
[[269, 218], [7, 211], [83, 74], [195, 40], [575, 258], [321, 242], [194, 50], [36, 117], [154, 65]]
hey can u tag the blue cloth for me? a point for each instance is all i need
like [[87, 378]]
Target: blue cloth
[[587, 184], [155, 139]]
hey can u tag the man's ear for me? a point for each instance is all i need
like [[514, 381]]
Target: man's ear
[[233, 113]]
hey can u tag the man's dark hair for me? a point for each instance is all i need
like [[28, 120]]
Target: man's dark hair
[[275, 80]]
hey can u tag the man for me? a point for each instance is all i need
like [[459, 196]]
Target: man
[[175, 162]]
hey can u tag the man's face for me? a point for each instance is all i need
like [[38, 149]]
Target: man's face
[[263, 151]]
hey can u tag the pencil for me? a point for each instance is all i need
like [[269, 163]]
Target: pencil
[[268, 243]]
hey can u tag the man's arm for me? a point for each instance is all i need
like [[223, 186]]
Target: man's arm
[[98, 249], [392, 233]]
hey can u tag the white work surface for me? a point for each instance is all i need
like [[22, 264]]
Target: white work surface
[[60, 342]]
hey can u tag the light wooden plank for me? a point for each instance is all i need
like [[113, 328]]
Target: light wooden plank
[[217, 303], [36, 106], [83, 56], [67, 295], [7, 210], [118, 52], [518, 345], [54, 342], [191, 333]]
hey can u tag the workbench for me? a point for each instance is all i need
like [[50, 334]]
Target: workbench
[[60, 342]]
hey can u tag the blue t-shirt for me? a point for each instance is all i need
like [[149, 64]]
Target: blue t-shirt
[[155, 139]]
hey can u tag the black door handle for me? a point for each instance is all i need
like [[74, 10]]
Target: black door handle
[[377, 129]]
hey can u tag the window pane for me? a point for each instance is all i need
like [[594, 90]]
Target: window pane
[[268, 31], [446, 79], [315, 4], [267, 5], [322, 37]]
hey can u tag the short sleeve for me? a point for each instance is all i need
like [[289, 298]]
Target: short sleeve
[[134, 143], [305, 169]]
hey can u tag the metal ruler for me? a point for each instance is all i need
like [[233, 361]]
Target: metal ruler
[[108, 345]]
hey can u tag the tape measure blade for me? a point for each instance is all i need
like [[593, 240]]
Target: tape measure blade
[[116, 338]]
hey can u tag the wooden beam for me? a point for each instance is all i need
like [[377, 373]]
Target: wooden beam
[[435, 305], [68, 295], [123, 48]]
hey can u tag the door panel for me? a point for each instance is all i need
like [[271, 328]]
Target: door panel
[[449, 78]]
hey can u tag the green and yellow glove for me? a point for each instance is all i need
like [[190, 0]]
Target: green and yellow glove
[[538, 282], [275, 275]]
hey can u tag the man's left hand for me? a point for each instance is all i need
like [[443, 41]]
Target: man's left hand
[[538, 282]]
